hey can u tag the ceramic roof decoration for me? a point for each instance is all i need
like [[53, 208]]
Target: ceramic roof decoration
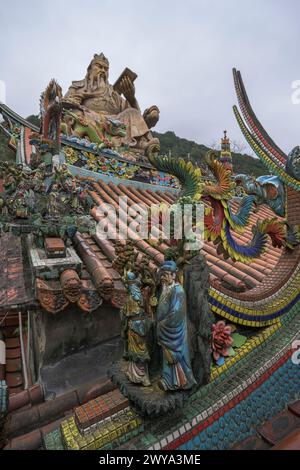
[[141, 339]]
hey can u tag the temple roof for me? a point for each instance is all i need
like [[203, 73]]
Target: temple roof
[[98, 256]]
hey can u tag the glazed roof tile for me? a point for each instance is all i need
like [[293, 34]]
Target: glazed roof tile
[[281, 432]]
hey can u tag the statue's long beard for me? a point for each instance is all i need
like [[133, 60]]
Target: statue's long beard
[[166, 289], [97, 82], [101, 81]]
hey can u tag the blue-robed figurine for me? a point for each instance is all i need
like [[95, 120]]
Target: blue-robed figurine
[[172, 333]]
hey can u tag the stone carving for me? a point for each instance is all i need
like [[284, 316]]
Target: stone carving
[[46, 203], [98, 102], [90, 298], [51, 299], [71, 285]]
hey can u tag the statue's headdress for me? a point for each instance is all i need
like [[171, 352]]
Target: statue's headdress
[[131, 276], [99, 58], [169, 266]]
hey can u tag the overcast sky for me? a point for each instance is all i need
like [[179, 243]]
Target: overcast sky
[[182, 51]]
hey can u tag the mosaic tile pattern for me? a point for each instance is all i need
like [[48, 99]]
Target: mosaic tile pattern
[[53, 440], [263, 403], [266, 313], [118, 168], [273, 167]]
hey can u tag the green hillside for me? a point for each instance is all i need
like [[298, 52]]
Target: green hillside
[[179, 147], [6, 154]]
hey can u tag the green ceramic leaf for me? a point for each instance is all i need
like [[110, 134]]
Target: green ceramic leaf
[[238, 340], [231, 352]]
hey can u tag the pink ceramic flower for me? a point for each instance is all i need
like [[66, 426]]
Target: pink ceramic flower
[[221, 339]]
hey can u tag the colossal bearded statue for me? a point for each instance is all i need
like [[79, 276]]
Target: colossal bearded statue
[[95, 100]]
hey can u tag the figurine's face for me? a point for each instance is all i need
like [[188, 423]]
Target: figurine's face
[[167, 278], [100, 70]]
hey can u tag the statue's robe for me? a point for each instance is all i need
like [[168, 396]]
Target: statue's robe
[[134, 332], [173, 338], [105, 101]]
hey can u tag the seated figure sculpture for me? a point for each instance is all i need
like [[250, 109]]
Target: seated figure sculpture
[[172, 333], [95, 100]]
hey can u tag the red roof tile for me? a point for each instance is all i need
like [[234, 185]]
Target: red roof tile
[[12, 343], [12, 353], [290, 442], [14, 365], [14, 380]]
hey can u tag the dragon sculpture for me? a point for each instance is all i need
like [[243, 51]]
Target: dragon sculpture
[[50, 112], [267, 189], [102, 134], [220, 219]]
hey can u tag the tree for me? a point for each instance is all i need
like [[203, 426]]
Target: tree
[[35, 120]]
